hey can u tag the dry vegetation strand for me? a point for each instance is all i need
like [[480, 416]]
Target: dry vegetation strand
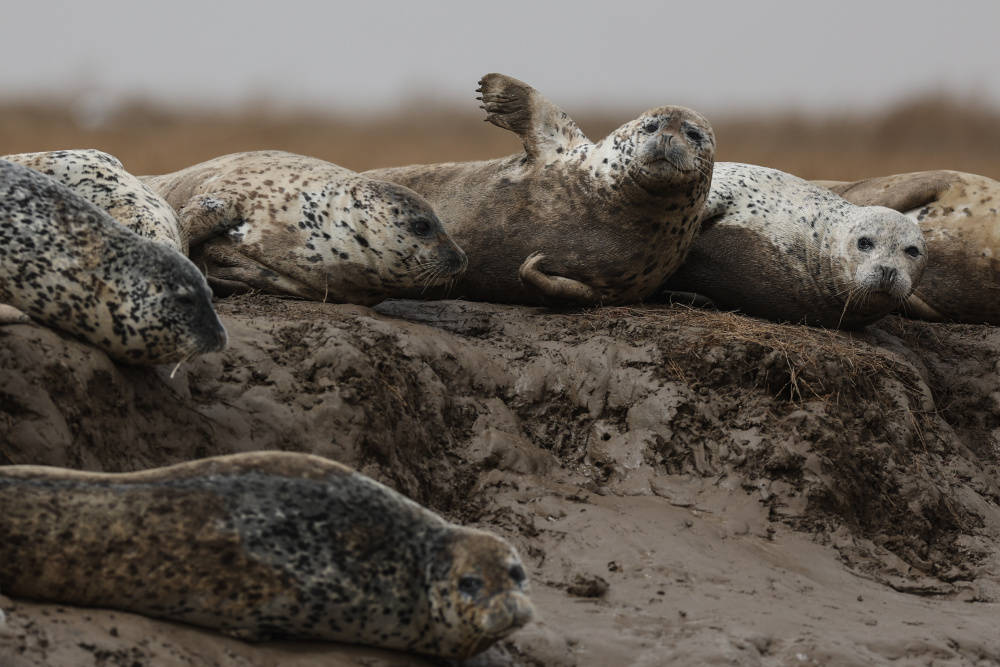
[[796, 362]]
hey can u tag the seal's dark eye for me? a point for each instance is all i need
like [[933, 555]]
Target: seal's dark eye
[[651, 126], [913, 251], [516, 573], [421, 227], [470, 585], [694, 135], [865, 244]]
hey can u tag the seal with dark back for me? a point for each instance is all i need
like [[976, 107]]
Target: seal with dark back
[[569, 221], [261, 545]]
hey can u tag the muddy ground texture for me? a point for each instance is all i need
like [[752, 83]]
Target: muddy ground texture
[[684, 486]]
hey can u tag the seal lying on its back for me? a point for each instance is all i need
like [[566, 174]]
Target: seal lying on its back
[[775, 246], [68, 264], [959, 214], [569, 220], [261, 545], [298, 225], [101, 179]]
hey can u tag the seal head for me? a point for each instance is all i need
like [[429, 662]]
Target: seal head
[[666, 147], [68, 264], [878, 252], [478, 591]]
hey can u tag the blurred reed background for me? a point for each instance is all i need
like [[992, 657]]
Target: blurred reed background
[[930, 132]]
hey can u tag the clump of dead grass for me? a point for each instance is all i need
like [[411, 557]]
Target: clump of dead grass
[[802, 363]]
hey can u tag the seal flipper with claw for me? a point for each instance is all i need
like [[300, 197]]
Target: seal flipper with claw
[[546, 130], [547, 133]]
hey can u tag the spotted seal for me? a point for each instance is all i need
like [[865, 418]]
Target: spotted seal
[[775, 246], [101, 179], [261, 545], [68, 264], [568, 220], [297, 225], [959, 214]]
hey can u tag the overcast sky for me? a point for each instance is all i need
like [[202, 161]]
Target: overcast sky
[[711, 55]]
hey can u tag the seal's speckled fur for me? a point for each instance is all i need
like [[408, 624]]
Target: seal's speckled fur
[[959, 214], [101, 179], [776, 246], [267, 544], [68, 264], [292, 224], [570, 220]]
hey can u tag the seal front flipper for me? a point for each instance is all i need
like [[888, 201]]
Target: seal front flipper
[[556, 287], [545, 129], [208, 215], [11, 315], [900, 194]]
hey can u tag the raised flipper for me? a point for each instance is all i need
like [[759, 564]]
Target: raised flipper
[[11, 315], [545, 129], [209, 215], [555, 287], [901, 192]]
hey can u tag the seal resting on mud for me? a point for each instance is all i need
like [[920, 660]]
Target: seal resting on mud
[[261, 545], [68, 264], [568, 220], [959, 214], [102, 180], [775, 246], [296, 225]]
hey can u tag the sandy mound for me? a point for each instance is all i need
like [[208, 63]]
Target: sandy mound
[[683, 485]]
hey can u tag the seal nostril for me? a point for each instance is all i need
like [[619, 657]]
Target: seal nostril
[[516, 573]]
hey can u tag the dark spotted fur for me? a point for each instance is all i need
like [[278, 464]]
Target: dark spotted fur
[[102, 180], [68, 264], [292, 224], [260, 545]]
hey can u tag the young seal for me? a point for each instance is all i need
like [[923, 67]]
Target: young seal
[[959, 214], [101, 179], [296, 225], [261, 545], [68, 264], [775, 246], [568, 220]]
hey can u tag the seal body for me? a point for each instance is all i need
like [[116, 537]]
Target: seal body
[[260, 545], [296, 225], [569, 220], [775, 246], [68, 264], [959, 214], [101, 179]]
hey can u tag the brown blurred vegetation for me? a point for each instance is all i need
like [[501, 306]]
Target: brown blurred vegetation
[[924, 133]]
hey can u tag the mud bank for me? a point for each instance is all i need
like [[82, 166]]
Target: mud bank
[[684, 486]]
